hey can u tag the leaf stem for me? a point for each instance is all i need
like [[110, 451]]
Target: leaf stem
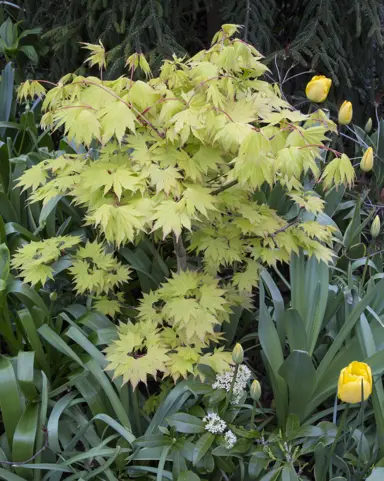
[[224, 187]]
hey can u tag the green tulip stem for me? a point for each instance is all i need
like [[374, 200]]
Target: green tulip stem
[[364, 273], [253, 414], [367, 257], [334, 444], [361, 414]]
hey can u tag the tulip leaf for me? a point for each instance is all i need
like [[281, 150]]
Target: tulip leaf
[[296, 334], [278, 303], [312, 278], [346, 328], [299, 366], [368, 346], [270, 343]]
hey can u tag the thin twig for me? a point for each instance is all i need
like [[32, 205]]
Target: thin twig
[[217, 77], [224, 187], [20, 463], [278, 231], [296, 75]]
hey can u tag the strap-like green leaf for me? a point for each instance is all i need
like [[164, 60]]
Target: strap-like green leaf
[[11, 402]]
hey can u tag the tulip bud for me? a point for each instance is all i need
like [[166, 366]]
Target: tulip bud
[[375, 227], [317, 88], [255, 390], [368, 126], [366, 163], [238, 354], [53, 296], [345, 113]]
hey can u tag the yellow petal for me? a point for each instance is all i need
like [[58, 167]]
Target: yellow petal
[[351, 392]]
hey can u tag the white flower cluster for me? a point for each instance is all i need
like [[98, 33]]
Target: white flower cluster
[[214, 424], [230, 439], [224, 381]]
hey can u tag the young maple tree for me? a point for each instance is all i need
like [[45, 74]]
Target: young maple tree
[[181, 155]]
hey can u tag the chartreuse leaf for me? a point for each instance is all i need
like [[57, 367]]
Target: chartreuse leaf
[[11, 401], [339, 171]]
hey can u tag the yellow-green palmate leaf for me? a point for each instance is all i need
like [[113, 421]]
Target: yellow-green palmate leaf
[[116, 119], [254, 165], [176, 322], [96, 271], [339, 171], [137, 368], [110, 306], [98, 54], [35, 260], [30, 89], [121, 222]]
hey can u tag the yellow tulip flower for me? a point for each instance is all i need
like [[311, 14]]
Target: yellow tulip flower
[[375, 227], [354, 378], [345, 113], [368, 126], [317, 88], [366, 163]]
